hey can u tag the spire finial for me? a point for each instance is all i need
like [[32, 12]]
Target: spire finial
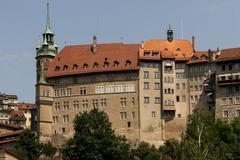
[[48, 26]]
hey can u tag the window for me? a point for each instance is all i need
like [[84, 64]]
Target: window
[[200, 87], [128, 63], [63, 130], [179, 115], [103, 102], [123, 115], [85, 66], [180, 75], [65, 67], [192, 98], [153, 114], [65, 105], [75, 67], [196, 88], [184, 98], [129, 124], [177, 98], [177, 86], [196, 98], [133, 115], [237, 101], [95, 103], [57, 68], [157, 100], [146, 85], [57, 106], [146, 74], [146, 100], [223, 101], [95, 65], [237, 89], [155, 54], [106, 64], [237, 113], [55, 119], [65, 118], [157, 75], [76, 104], [223, 67], [147, 54], [183, 86], [85, 104], [229, 67], [157, 86], [133, 101], [230, 100], [69, 92], [123, 102], [82, 90], [195, 78], [115, 64], [225, 114]]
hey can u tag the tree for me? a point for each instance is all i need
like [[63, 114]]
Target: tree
[[27, 145], [95, 139], [48, 150]]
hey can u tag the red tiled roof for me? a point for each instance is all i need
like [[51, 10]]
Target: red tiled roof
[[200, 57], [26, 106], [79, 55], [17, 115], [230, 54], [180, 50]]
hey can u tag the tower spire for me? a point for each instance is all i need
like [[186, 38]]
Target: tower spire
[[170, 34], [48, 26]]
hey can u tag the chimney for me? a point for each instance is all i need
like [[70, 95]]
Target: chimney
[[94, 45], [142, 44], [193, 43]]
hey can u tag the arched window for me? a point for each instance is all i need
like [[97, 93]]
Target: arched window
[[165, 49], [203, 57], [115, 64], [65, 67], [85, 66], [75, 67], [178, 49], [95, 65], [128, 63], [57, 68]]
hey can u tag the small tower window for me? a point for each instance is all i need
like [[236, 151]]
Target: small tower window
[[57, 68], [65, 67], [85, 66], [128, 63], [95, 66], [75, 67], [115, 64]]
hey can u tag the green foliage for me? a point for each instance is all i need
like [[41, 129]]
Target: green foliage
[[27, 145], [48, 150], [94, 139], [145, 151]]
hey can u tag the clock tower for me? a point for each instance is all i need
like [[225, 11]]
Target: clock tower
[[45, 52]]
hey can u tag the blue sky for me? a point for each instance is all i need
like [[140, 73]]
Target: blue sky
[[215, 23]]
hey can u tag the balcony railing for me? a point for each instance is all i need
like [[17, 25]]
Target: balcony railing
[[228, 78]]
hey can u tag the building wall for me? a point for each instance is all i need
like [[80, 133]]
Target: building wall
[[150, 102], [117, 95], [227, 90]]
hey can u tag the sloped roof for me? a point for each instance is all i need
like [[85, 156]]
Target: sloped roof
[[177, 49], [82, 55], [230, 54], [27, 106], [200, 57]]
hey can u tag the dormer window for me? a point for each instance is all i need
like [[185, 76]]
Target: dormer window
[[147, 54], [115, 64], [178, 49], [85, 66], [128, 63], [194, 58], [203, 57], [65, 67], [75, 67], [57, 68], [95, 65], [155, 54], [165, 49], [106, 64]]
